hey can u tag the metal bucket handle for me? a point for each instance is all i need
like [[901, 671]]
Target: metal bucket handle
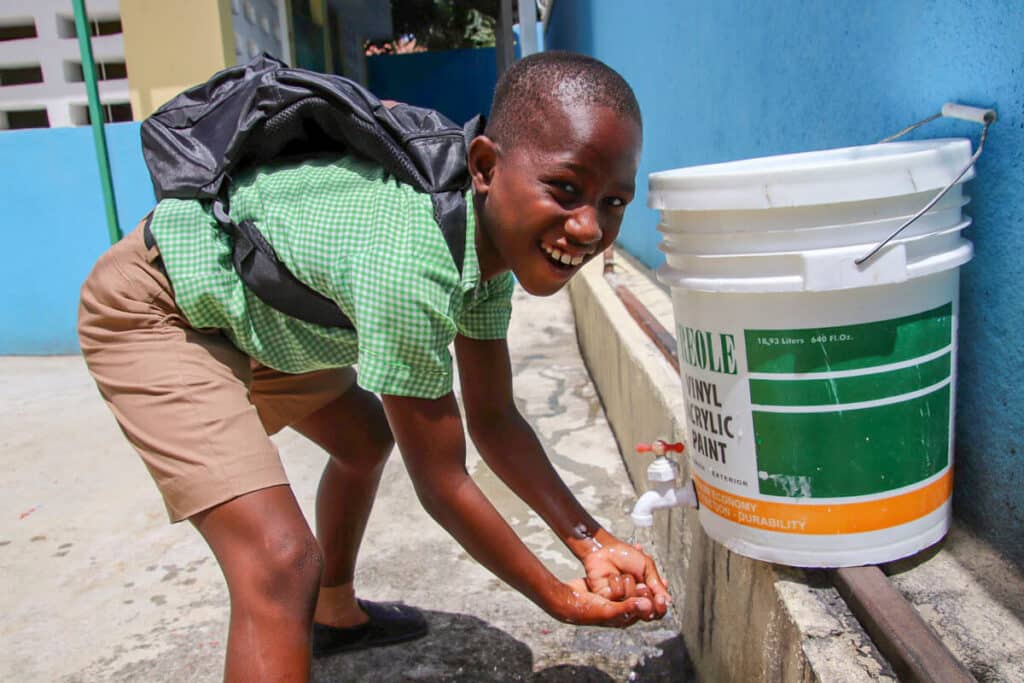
[[950, 110]]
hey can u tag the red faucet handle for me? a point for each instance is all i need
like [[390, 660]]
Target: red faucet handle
[[666, 447]]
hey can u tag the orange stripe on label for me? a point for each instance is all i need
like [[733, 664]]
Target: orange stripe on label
[[834, 518]]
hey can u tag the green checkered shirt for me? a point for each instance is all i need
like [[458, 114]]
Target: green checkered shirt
[[362, 239]]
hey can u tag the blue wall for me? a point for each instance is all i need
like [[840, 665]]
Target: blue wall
[[737, 79], [54, 223], [458, 83], [54, 227]]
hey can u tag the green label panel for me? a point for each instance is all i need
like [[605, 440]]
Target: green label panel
[[835, 391], [850, 347], [853, 452]]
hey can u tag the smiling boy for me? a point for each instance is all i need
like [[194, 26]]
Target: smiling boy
[[198, 371]]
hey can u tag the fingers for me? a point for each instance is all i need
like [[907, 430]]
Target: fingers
[[621, 573], [625, 587], [616, 587], [620, 586], [656, 586], [625, 575], [590, 608], [630, 611]]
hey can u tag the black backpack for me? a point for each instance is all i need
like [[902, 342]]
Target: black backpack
[[262, 111]]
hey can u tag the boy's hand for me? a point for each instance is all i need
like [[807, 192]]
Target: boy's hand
[[619, 571], [580, 606]]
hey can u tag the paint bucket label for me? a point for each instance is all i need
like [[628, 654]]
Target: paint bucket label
[[800, 428]]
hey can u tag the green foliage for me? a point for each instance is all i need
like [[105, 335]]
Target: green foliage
[[479, 30], [446, 24]]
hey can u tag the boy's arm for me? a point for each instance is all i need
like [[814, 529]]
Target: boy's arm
[[429, 434], [510, 447]]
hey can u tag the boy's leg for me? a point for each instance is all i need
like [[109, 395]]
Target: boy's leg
[[181, 398], [272, 566], [354, 431], [349, 423]]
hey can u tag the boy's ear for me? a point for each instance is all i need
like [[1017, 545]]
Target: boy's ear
[[482, 158]]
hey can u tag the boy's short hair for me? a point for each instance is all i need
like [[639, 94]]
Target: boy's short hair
[[526, 90]]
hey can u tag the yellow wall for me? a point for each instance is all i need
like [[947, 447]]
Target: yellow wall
[[170, 45]]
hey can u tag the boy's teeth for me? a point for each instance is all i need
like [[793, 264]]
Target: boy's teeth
[[566, 259]]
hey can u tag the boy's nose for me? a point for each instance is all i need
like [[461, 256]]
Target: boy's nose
[[582, 226]]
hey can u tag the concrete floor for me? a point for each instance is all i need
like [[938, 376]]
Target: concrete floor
[[96, 585]]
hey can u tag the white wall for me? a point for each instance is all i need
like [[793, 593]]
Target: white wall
[[62, 97]]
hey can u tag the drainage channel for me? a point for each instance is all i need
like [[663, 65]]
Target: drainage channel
[[909, 644]]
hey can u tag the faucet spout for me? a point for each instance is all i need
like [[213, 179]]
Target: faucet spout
[[662, 495]]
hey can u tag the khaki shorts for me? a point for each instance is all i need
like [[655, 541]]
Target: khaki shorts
[[197, 409]]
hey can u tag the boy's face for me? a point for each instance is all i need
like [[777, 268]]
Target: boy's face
[[553, 202]]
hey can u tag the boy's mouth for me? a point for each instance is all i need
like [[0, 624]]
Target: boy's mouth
[[561, 258]]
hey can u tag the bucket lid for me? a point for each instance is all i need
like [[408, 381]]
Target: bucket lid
[[849, 174]]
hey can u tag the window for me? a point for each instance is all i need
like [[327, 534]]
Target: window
[[17, 31], [73, 72], [114, 112], [105, 71], [111, 71], [66, 27], [26, 118], [109, 27], [20, 75], [117, 113], [97, 27]]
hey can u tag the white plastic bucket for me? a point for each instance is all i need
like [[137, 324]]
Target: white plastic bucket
[[819, 393]]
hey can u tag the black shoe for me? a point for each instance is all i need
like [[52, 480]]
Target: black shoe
[[390, 623]]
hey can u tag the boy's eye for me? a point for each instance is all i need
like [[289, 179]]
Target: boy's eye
[[615, 202], [567, 188]]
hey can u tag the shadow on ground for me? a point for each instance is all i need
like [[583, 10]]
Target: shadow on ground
[[464, 648]]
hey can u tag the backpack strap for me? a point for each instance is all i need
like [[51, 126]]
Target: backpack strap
[[261, 271], [450, 206]]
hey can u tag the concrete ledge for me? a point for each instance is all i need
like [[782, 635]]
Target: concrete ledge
[[744, 620]]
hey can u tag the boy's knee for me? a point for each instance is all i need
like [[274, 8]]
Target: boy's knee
[[377, 445], [353, 429], [288, 567]]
